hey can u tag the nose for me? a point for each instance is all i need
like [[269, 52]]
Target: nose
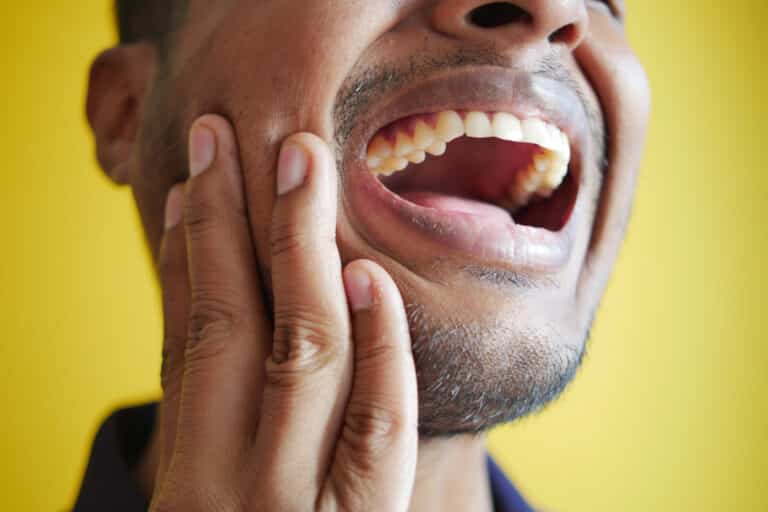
[[523, 23]]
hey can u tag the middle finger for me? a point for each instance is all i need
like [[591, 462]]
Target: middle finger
[[308, 377]]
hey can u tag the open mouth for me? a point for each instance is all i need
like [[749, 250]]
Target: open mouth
[[481, 166], [487, 164]]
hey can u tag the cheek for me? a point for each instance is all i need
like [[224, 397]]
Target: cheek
[[275, 71], [161, 162], [281, 66], [620, 82]]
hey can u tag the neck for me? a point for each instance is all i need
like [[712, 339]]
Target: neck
[[451, 474]]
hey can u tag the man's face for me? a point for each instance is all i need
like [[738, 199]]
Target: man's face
[[500, 255]]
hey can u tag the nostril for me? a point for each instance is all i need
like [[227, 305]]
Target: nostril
[[566, 34], [498, 14]]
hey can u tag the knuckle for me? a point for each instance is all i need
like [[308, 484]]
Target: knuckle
[[303, 346], [204, 214], [309, 333], [371, 429], [375, 353], [290, 372], [288, 239], [211, 319], [200, 214], [350, 490]]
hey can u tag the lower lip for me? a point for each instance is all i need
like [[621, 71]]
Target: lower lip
[[483, 236]]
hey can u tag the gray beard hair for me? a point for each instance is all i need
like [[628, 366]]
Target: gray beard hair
[[472, 378]]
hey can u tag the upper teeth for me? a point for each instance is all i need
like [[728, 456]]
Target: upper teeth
[[410, 142]]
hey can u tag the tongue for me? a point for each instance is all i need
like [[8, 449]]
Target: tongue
[[446, 203]]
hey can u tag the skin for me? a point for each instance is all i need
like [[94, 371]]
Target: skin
[[239, 273]]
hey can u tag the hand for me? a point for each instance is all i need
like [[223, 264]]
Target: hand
[[314, 409]]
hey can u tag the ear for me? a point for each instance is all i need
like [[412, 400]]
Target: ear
[[119, 82]]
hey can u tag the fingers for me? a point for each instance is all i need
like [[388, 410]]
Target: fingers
[[309, 373], [320, 436], [375, 461], [172, 266], [227, 327]]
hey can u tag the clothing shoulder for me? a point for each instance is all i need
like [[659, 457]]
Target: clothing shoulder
[[108, 483]]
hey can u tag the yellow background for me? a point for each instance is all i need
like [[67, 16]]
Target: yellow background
[[669, 412]]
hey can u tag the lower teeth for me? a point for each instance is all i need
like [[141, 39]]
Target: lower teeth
[[540, 179]]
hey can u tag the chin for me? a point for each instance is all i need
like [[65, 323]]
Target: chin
[[473, 376]]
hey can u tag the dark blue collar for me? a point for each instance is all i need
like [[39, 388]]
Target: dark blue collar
[[505, 497]]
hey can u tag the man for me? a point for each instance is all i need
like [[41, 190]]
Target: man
[[381, 228]]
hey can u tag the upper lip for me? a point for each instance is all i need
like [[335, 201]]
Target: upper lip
[[483, 88]]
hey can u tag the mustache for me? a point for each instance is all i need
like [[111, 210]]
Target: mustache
[[363, 88]]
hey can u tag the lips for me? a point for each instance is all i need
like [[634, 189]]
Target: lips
[[482, 166]]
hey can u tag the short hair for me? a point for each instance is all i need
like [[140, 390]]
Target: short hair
[[148, 20]]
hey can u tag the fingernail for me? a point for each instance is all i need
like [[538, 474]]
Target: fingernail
[[359, 288], [174, 207], [291, 168], [202, 149]]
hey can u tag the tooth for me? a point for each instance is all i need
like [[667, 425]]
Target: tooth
[[561, 161], [477, 125], [535, 132], [507, 127], [373, 162], [531, 185], [554, 136], [549, 167], [380, 148], [565, 146], [392, 165], [522, 190], [403, 145], [437, 149], [417, 157], [449, 126], [555, 177], [423, 135], [400, 164], [542, 162]]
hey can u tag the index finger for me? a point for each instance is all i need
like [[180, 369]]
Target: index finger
[[228, 327]]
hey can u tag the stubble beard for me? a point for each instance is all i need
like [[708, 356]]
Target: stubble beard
[[474, 377]]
